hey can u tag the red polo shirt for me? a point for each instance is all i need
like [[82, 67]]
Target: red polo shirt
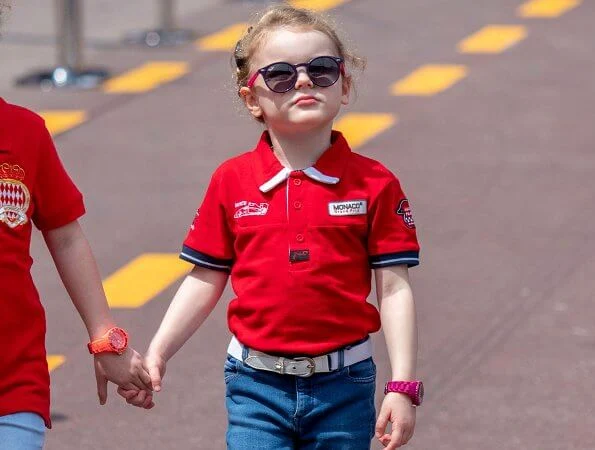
[[34, 187], [300, 245]]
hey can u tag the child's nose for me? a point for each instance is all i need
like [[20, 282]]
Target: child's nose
[[303, 80]]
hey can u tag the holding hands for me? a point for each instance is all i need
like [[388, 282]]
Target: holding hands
[[125, 370], [139, 396], [120, 364]]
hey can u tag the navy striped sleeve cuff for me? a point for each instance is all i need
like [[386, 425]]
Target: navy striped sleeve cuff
[[204, 260], [394, 259]]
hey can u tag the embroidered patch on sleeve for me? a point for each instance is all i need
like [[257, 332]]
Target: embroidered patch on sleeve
[[404, 211]]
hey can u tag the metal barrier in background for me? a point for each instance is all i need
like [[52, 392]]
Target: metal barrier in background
[[167, 33], [70, 71]]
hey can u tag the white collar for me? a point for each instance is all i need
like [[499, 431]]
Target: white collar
[[311, 172]]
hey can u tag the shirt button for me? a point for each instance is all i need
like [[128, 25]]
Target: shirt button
[[297, 181], [299, 238], [297, 205]]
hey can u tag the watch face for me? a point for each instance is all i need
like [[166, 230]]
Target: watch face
[[420, 392], [117, 339]]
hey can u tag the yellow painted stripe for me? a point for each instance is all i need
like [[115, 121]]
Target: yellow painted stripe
[[143, 278], [546, 8], [316, 5], [429, 80], [59, 121], [224, 40], [55, 361], [360, 128], [493, 39], [146, 77]]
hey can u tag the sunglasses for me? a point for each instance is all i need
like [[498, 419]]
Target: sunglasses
[[280, 77]]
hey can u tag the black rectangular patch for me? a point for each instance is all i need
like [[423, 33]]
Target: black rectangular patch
[[299, 255]]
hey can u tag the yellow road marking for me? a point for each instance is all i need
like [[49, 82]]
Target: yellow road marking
[[146, 77], [224, 40], [546, 8], [59, 121], [316, 5], [360, 128], [55, 361], [429, 79], [143, 278], [493, 39]]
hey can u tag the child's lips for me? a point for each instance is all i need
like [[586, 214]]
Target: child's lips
[[306, 100]]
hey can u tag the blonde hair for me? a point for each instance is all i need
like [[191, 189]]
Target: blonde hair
[[285, 16]]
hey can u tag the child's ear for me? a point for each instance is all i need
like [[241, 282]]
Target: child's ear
[[250, 101], [346, 89]]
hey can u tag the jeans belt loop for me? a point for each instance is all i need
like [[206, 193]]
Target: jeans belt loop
[[341, 359]]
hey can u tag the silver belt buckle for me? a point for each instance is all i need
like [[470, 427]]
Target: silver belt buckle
[[283, 363], [311, 366]]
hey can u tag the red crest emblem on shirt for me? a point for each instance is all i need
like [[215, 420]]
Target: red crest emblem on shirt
[[404, 211], [14, 195]]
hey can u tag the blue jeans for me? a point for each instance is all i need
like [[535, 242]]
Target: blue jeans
[[269, 411], [22, 431]]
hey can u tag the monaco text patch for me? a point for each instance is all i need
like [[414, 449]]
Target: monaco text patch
[[348, 208]]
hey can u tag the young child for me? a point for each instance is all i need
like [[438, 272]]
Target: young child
[[299, 223], [34, 188]]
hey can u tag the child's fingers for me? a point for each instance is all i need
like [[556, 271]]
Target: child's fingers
[[148, 402], [145, 378], [138, 400], [155, 378], [381, 424], [127, 393], [101, 387]]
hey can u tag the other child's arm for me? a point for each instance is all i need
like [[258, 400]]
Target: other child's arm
[[78, 270]]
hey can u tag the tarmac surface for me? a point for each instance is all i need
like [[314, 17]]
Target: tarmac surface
[[499, 169]]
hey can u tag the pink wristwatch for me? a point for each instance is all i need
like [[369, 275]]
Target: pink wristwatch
[[414, 389]]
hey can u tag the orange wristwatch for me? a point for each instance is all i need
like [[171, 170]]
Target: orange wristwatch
[[115, 340]]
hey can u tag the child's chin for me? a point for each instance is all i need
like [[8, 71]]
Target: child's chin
[[310, 119]]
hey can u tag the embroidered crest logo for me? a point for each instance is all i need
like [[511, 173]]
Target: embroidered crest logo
[[14, 195], [404, 211], [245, 208]]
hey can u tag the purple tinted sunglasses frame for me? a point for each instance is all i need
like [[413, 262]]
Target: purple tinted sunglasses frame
[[262, 71]]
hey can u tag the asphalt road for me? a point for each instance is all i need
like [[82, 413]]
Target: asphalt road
[[499, 170]]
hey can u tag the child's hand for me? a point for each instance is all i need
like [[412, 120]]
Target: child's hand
[[155, 365], [125, 370], [142, 399], [397, 409]]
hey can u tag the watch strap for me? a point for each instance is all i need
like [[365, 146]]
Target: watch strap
[[413, 389], [99, 346], [103, 344]]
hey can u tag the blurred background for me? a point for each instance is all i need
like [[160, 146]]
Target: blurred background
[[483, 109]]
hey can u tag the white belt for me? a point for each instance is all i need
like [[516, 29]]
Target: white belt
[[302, 366]]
